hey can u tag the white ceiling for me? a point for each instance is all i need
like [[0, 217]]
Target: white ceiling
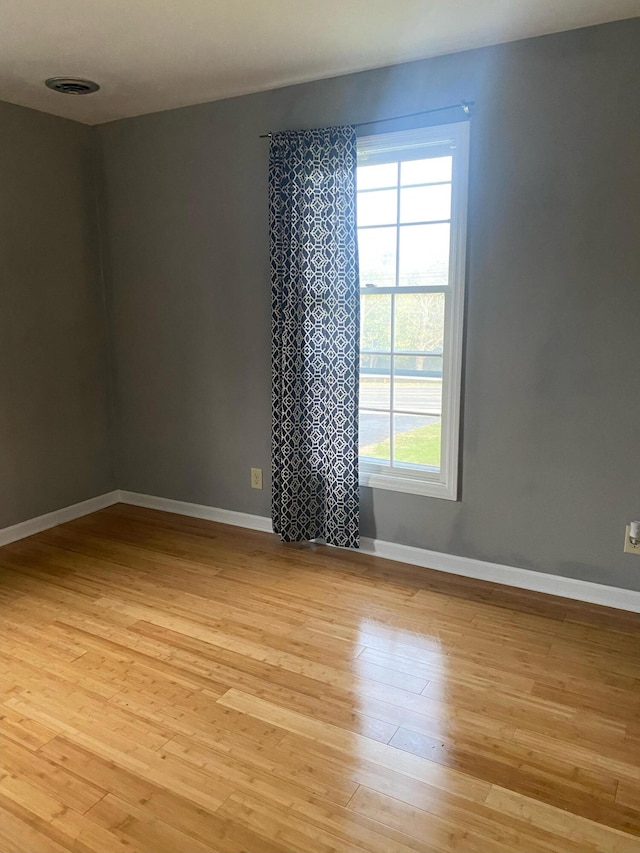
[[151, 55]]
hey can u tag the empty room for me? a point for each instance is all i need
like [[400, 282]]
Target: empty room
[[320, 426]]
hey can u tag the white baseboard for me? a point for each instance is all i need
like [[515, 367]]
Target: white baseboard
[[211, 513], [593, 593], [52, 519]]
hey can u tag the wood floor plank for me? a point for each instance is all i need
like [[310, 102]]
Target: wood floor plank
[[58, 782], [256, 770], [628, 794], [510, 764], [19, 835], [310, 826], [174, 684], [141, 828], [379, 753], [481, 819], [22, 730], [581, 829], [443, 834]]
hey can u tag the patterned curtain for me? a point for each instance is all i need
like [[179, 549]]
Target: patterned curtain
[[316, 328]]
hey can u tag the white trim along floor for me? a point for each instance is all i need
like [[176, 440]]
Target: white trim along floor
[[594, 593]]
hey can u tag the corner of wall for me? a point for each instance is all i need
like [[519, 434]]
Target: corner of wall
[[104, 275]]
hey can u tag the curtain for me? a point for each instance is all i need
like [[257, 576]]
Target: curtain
[[315, 329]]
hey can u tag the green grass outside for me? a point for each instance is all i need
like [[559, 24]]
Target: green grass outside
[[419, 446]]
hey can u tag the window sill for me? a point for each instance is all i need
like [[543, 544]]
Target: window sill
[[408, 485]]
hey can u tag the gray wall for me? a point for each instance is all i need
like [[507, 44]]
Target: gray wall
[[551, 439], [54, 415]]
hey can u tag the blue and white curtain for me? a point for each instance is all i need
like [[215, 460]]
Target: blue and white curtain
[[316, 328]]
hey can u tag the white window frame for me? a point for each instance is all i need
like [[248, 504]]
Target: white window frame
[[388, 147]]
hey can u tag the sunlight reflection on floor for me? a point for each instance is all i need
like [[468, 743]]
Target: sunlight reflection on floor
[[395, 666]]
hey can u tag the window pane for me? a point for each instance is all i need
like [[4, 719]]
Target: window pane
[[376, 177], [378, 208], [416, 392], [425, 204], [376, 362], [375, 384], [375, 322], [377, 250], [375, 428], [416, 441], [425, 364], [419, 322], [424, 255], [428, 171]]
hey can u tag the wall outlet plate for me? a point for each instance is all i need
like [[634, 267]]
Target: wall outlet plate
[[628, 547], [256, 478]]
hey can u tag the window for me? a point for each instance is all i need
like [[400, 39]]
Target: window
[[412, 200]]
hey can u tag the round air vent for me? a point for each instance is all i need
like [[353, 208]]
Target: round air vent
[[71, 85]]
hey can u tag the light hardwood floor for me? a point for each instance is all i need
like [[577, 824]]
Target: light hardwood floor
[[176, 685]]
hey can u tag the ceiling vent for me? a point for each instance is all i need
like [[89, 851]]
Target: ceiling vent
[[71, 85]]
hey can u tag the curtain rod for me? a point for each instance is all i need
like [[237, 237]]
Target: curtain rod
[[465, 106]]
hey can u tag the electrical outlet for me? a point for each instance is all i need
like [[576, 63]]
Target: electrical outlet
[[628, 547], [256, 478]]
